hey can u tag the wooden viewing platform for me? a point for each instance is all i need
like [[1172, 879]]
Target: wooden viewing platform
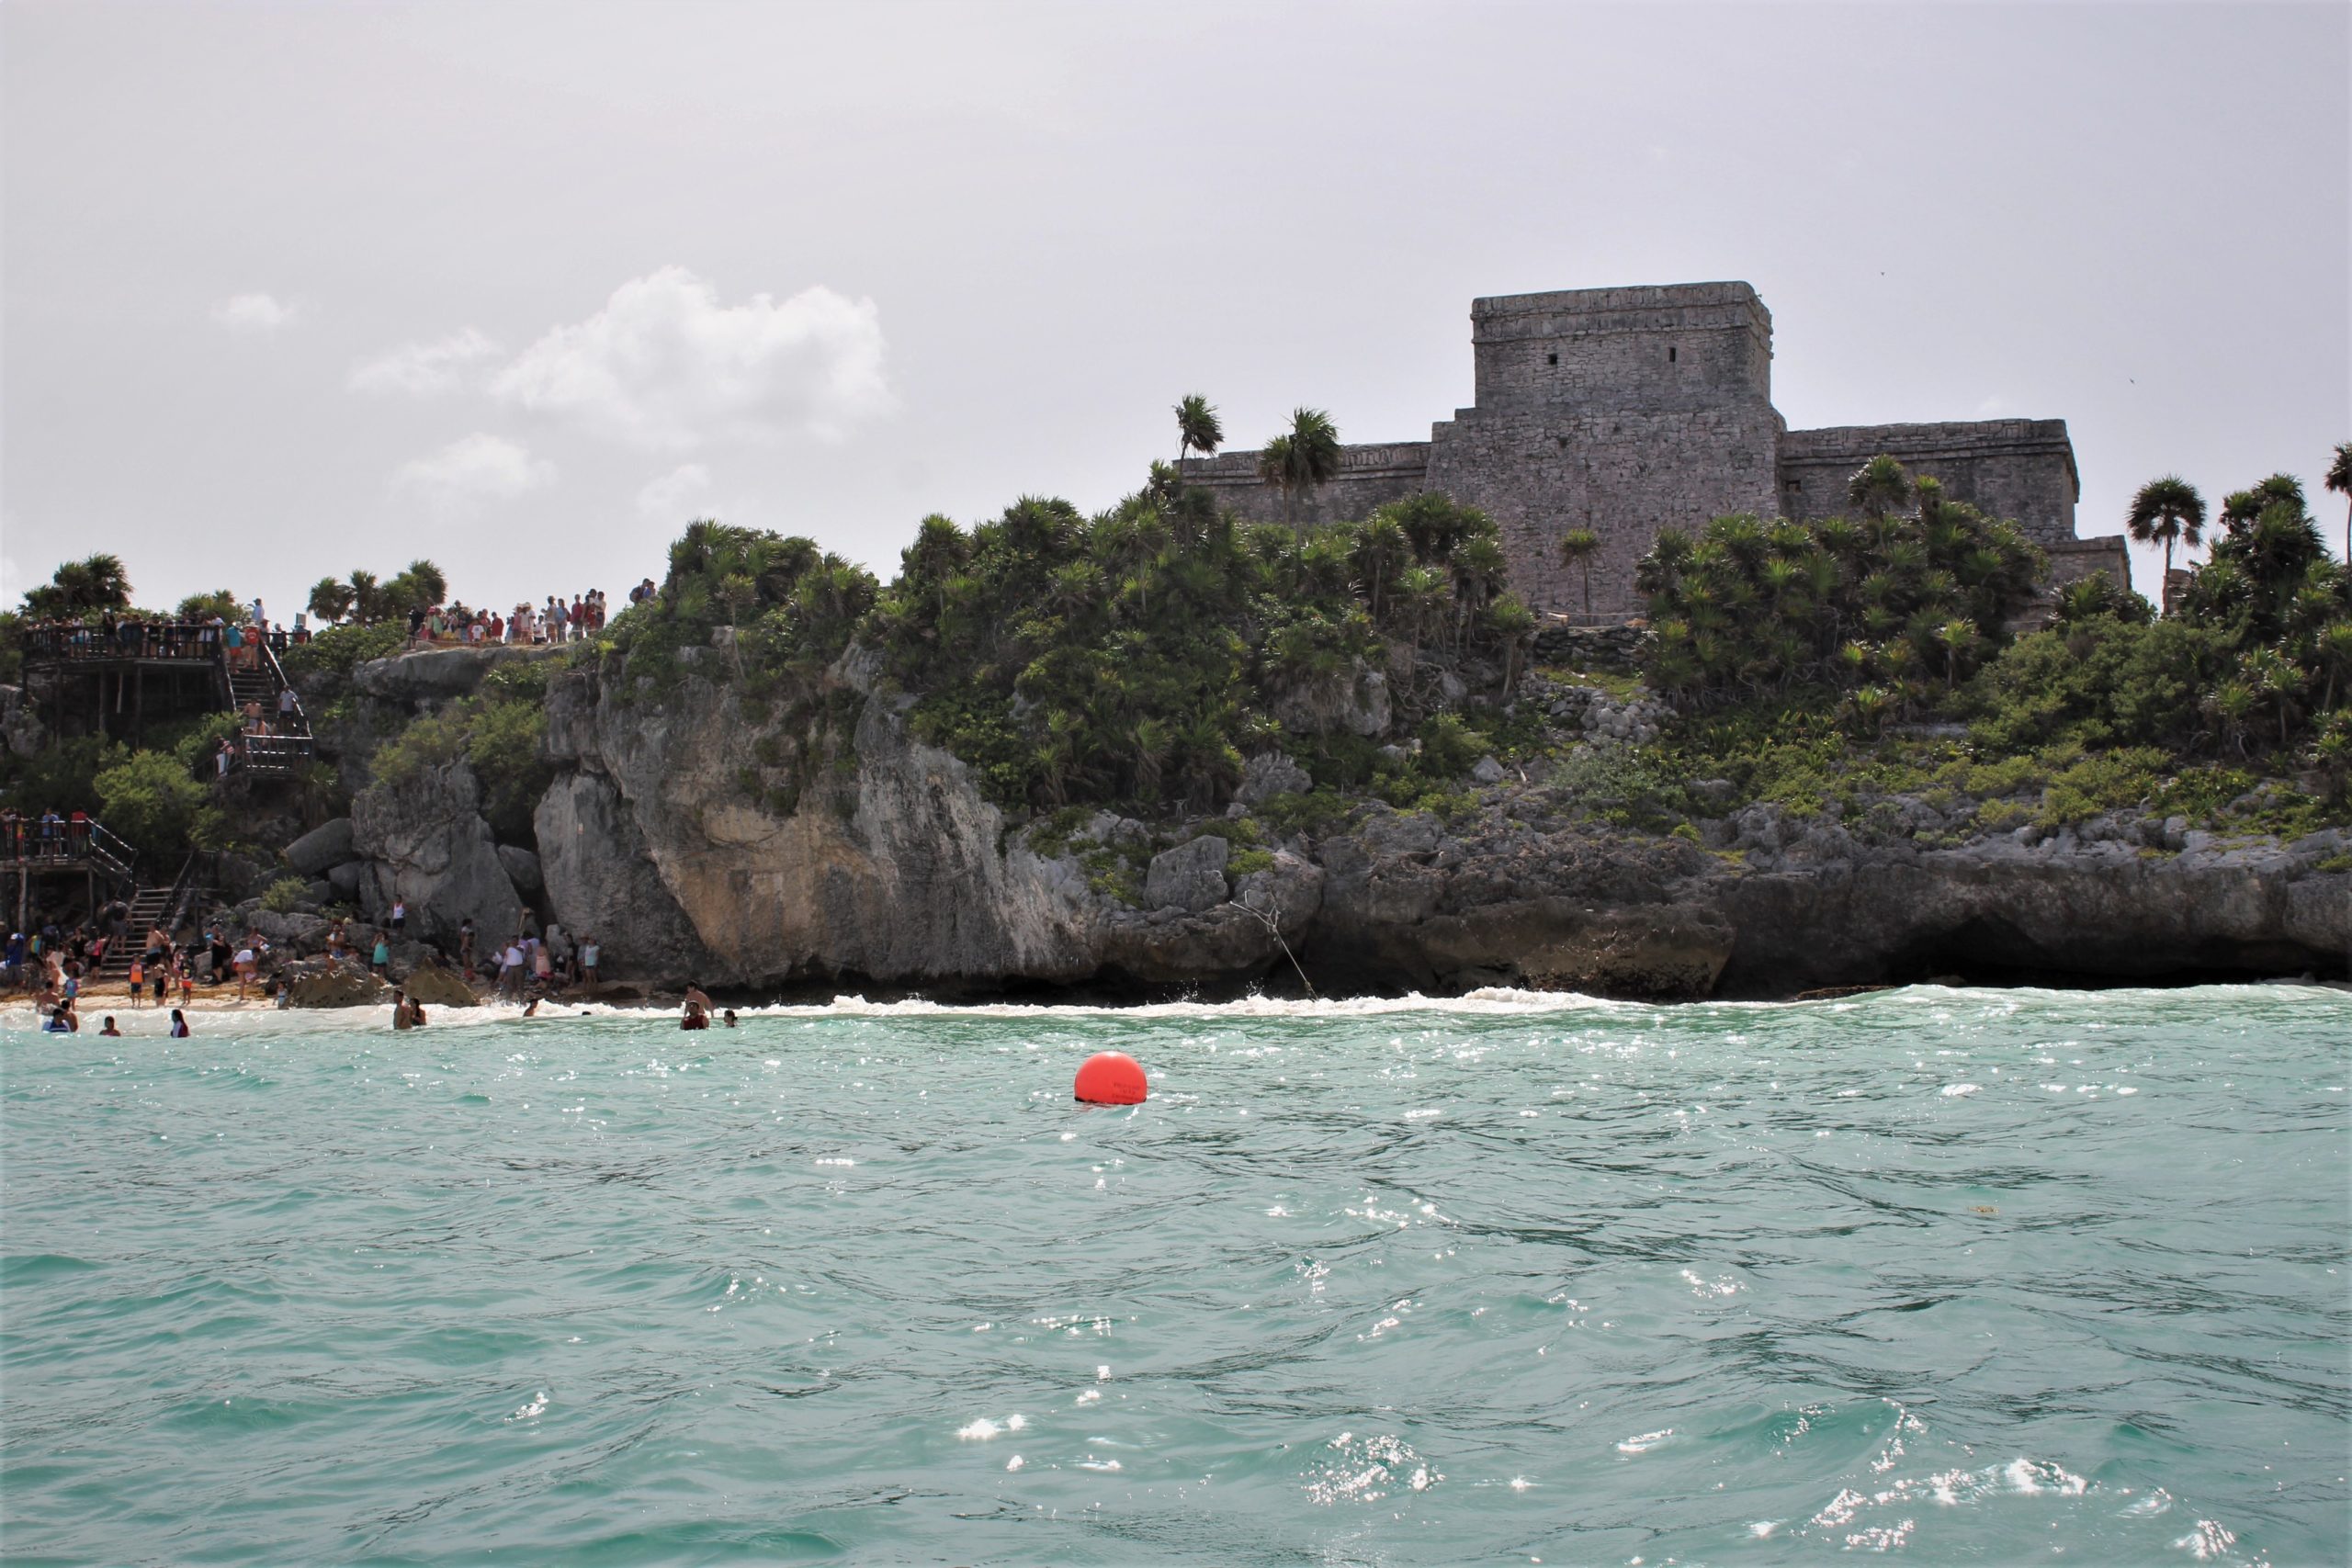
[[171, 670]]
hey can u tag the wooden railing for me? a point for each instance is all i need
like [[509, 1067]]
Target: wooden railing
[[65, 844]]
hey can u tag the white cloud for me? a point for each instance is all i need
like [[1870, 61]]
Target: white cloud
[[478, 468], [669, 498], [665, 366], [254, 313], [425, 370]]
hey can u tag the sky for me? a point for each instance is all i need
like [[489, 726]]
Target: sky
[[286, 290]]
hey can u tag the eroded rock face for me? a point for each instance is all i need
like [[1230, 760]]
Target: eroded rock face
[[323, 983], [1188, 877], [1355, 702], [322, 849], [436, 986], [602, 884], [436, 674], [425, 843], [522, 869], [899, 873], [21, 729]]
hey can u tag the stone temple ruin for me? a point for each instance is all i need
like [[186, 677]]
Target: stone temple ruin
[[1630, 411]]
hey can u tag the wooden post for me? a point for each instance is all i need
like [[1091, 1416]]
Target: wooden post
[[139, 705]]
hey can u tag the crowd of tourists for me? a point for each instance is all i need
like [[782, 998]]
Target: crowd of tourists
[[556, 620], [58, 965], [239, 640], [51, 836]]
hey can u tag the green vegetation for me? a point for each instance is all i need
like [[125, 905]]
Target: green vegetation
[[500, 732], [1136, 657], [1862, 668], [2107, 708], [81, 588], [151, 800], [342, 649], [1894, 609], [368, 601]]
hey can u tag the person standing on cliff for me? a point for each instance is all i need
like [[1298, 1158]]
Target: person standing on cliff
[[590, 953]]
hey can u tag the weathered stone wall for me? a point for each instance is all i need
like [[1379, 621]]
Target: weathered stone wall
[[1369, 476], [2071, 561], [1693, 345], [1629, 411], [1624, 475], [2021, 468]]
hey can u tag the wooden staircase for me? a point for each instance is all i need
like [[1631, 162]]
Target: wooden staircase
[[283, 752], [150, 906]]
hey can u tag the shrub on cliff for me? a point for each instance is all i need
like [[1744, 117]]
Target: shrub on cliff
[[789, 609], [1136, 656], [1910, 603], [342, 649], [500, 732], [2256, 656], [151, 800], [2099, 681]]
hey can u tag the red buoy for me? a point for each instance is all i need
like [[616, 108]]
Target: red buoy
[[1111, 1078]]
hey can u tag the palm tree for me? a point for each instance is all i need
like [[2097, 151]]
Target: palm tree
[[428, 580], [2240, 509], [329, 599], [2339, 480], [939, 552], [1382, 551], [2332, 650], [1479, 569], [1511, 621], [94, 582], [2164, 511], [1578, 546], [366, 598], [1879, 487], [1303, 458], [1197, 428]]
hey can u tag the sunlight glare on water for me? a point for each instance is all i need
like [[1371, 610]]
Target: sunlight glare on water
[[1955, 1275]]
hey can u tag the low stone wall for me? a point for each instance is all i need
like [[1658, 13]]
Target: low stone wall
[[1616, 647]]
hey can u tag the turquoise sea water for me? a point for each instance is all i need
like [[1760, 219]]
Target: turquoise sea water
[[1954, 1275]]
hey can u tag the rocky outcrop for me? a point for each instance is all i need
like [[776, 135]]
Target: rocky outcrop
[[522, 869], [323, 983], [661, 838], [21, 730], [1190, 877], [1826, 908], [322, 849], [436, 986], [601, 881], [435, 675], [425, 841]]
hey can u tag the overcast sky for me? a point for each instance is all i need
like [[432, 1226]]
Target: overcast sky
[[291, 290]]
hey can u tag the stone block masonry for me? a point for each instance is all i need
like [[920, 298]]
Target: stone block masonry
[[1632, 410]]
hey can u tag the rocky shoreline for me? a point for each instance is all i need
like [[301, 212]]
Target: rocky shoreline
[[892, 875]]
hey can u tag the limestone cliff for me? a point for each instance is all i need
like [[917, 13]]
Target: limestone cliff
[[895, 872]]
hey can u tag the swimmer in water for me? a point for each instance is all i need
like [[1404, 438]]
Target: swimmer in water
[[107, 1028], [729, 1018]]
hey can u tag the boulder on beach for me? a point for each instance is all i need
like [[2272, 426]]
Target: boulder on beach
[[326, 985], [436, 986]]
